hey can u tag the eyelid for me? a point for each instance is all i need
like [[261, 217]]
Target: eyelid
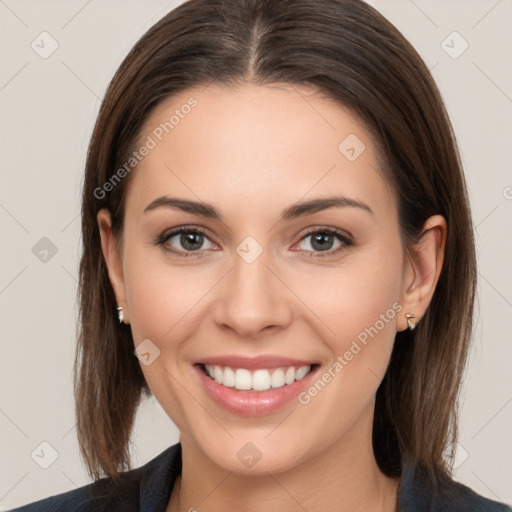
[[329, 229], [179, 229]]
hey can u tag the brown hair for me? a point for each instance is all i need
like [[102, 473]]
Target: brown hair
[[352, 54]]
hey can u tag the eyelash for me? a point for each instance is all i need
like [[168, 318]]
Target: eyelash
[[340, 235]]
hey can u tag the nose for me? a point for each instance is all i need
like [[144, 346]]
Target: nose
[[252, 299]]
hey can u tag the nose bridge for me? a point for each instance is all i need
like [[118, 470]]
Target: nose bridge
[[252, 298]]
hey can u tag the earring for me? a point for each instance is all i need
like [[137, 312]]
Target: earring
[[410, 323], [120, 314]]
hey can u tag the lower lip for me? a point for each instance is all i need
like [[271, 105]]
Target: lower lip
[[253, 403]]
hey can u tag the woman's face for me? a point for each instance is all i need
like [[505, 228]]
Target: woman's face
[[268, 286]]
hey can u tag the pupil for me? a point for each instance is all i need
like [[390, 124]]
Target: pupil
[[323, 240], [189, 239]]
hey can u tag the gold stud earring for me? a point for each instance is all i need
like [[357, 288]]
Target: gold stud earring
[[120, 314], [410, 323]]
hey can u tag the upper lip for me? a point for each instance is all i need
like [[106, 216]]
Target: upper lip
[[253, 363]]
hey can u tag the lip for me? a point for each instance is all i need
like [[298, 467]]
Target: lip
[[253, 403]]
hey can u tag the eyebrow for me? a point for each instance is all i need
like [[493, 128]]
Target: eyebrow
[[292, 212]]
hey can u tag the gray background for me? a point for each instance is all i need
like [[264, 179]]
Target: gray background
[[48, 107]]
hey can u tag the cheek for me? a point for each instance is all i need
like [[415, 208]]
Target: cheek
[[359, 304], [164, 304], [160, 292], [356, 295], [162, 299]]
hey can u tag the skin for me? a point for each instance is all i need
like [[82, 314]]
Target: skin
[[251, 152]]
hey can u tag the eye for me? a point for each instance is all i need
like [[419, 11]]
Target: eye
[[190, 239], [321, 241]]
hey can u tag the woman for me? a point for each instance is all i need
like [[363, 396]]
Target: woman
[[275, 218]]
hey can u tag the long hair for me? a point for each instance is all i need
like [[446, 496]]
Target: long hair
[[351, 53]]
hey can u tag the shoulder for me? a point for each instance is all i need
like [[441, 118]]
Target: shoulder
[[418, 494], [144, 488]]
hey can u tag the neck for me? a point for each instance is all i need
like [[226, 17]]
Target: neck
[[343, 478]]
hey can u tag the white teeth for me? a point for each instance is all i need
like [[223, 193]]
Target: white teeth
[[218, 374], [229, 378], [261, 380], [242, 379], [301, 372], [289, 376], [258, 380], [277, 379]]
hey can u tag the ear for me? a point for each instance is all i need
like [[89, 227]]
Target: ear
[[113, 260], [422, 268]]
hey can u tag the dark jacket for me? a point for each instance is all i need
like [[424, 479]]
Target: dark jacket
[[148, 489]]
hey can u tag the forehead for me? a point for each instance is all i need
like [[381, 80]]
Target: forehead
[[255, 145]]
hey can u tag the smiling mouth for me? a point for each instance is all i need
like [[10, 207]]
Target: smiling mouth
[[262, 379]]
